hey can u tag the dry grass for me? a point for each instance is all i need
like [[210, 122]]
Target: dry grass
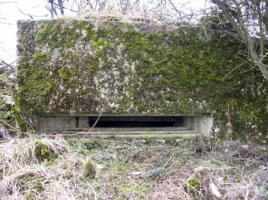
[[138, 169]]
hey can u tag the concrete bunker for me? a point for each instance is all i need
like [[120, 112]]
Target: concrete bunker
[[71, 70]]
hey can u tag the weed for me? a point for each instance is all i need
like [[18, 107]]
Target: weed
[[90, 170], [43, 152]]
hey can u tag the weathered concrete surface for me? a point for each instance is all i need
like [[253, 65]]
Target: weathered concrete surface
[[150, 68]]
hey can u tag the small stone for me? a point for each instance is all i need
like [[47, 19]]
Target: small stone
[[201, 169]]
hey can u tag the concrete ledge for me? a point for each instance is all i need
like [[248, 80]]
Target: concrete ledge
[[129, 135]]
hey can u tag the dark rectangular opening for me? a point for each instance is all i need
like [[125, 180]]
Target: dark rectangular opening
[[136, 121], [76, 122]]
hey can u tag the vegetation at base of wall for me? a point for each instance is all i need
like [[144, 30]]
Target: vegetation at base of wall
[[89, 169], [72, 65], [44, 152], [132, 169]]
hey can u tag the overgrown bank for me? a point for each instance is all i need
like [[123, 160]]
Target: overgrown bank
[[42, 168]]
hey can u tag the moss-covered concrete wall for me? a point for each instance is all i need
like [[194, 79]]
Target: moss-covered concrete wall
[[116, 67]]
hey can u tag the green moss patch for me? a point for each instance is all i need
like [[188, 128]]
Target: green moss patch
[[44, 152]]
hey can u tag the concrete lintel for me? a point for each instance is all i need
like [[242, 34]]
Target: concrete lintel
[[69, 114]]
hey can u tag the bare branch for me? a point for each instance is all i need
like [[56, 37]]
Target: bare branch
[[247, 18], [28, 15]]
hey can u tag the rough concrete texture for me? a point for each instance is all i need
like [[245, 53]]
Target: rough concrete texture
[[138, 67]]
